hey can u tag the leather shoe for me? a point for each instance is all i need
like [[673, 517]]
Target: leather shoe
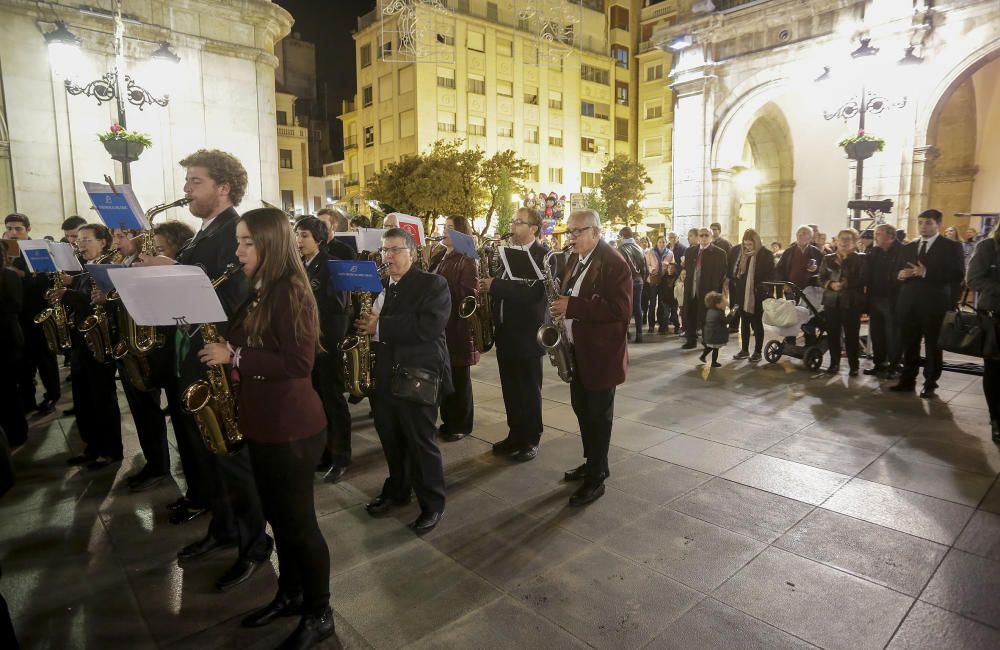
[[927, 392], [103, 461], [527, 453], [505, 447], [853, 372], [312, 629], [742, 354], [239, 573], [281, 606], [872, 372], [204, 546], [587, 493], [184, 515], [335, 473], [425, 523], [688, 346], [995, 426], [580, 473], [381, 505], [453, 437], [903, 387], [47, 406]]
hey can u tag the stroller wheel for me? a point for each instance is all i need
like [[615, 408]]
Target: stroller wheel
[[772, 351], [812, 357]]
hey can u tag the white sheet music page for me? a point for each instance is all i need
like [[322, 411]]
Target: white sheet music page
[[168, 295]]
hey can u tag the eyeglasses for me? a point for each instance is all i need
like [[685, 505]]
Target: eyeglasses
[[576, 232], [393, 250], [81, 240], [519, 222]]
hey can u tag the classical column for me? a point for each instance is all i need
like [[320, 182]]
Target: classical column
[[692, 127], [920, 185], [723, 206]]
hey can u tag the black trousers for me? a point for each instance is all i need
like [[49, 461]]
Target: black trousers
[[651, 294], [991, 386], [7, 638], [521, 385], [752, 322], [189, 444], [328, 381], [283, 473], [407, 433], [12, 419], [150, 425], [95, 402], [595, 410], [637, 306], [920, 325], [883, 328], [667, 311], [458, 409], [848, 323], [694, 316], [37, 358]]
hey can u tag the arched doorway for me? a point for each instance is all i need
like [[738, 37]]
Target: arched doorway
[[7, 203]]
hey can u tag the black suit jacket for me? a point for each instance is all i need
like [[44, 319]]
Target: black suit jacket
[[11, 304], [713, 269], [852, 270], [334, 306], [411, 328], [939, 290], [34, 286], [883, 267], [524, 308]]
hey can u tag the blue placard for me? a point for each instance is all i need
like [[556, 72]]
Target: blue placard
[[100, 274], [115, 211], [354, 275], [41, 260], [464, 244]]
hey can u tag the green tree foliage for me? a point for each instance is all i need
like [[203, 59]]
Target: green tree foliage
[[623, 186], [502, 175]]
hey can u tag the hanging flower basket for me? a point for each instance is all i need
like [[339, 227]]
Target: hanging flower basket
[[124, 146], [861, 146]]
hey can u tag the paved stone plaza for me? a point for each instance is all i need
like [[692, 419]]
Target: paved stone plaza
[[766, 507]]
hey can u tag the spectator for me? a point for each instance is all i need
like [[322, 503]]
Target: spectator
[[669, 307], [752, 265], [716, 333], [951, 233], [706, 272], [637, 264], [675, 247], [799, 263], [866, 240], [359, 221], [842, 276], [982, 277], [657, 260], [969, 244], [12, 419], [718, 239], [776, 249], [883, 289]]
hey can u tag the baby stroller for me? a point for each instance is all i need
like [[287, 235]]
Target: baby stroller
[[813, 329]]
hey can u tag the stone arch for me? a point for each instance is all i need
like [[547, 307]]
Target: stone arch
[[952, 133]]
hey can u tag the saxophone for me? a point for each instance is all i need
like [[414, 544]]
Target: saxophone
[[552, 336], [358, 358], [478, 308], [96, 327], [55, 322], [210, 400]]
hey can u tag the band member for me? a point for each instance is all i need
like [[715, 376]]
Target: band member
[[95, 394], [518, 312], [215, 182], [596, 305], [273, 340], [358, 221], [37, 355], [328, 370], [12, 419], [462, 275], [409, 333], [169, 237], [705, 266]]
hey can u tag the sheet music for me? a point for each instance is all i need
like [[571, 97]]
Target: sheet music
[[168, 295], [65, 257], [370, 239], [117, 209]]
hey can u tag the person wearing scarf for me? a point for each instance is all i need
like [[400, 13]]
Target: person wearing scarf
[[753, 265], [843, 277]]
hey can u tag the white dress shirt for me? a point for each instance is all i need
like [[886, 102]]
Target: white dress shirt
[[575, 290]]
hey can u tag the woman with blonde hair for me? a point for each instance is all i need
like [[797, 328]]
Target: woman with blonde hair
[[752, 264]]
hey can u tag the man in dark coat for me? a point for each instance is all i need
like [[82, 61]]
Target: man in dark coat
[[883, 290], [705, 269]]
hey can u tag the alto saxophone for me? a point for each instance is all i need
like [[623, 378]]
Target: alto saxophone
[[55, 322], [96, 327], [210, 400], [359, 361], [552, 336], [479, 308]]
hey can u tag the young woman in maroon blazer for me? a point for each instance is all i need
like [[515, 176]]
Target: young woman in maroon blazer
[[273, 339]]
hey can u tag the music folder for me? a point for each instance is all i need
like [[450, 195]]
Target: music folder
[[464, 244], [349, 239], [43, 256], [117, 206], [99, 272], [354, 275], [519, 264], [370, 239], [168, 295]]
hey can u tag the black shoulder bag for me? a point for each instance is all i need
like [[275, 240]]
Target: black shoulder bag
[[417, 385], [971, 332]]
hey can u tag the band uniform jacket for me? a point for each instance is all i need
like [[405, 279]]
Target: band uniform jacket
[[522, 306], [34, 287], [411, 328], [276, 399], [11, 305], [601, 315], [853, 270], [713, 269], [939, 290], [462, 274], [334, 306]]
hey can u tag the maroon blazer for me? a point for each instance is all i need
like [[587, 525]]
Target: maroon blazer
[[462, 274], [600, 316], [277, 402]]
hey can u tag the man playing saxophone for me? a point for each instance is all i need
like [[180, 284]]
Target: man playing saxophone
[[518, 312]]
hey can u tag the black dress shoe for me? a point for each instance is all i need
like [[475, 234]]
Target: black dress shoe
[[69, 411], [203, 547], [453, 437], [903, 387], [995, 426], [239, 573], [381, 505], [527, 453], [506, 447], [103, 461], [580, 473], [833, 370], [927, 392], [312, 629], [282, 605], [742, 354], [688, 346], [149, 481], [335, 473], [47, 406], [425, 523], [184, 515], [853, 372], [587, 493], [872, 372]]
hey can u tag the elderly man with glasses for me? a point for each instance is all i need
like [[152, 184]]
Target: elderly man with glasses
[[705, 271]]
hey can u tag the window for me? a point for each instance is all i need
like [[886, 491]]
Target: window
[[476, 85], [491, 12], [369, 136], [366, 55], [477, 125], [288, 200], [446, 122], [385, 162], [588, 145], [590, 73], [445, 39], [531, 134], [590, 180], [533, 173], [446, 78], [555, 137], [366, 96], [654, 72], [595, 109], [621, 93], [475, 41], [620, 54], [281, 117], [525, 26], [385, 87], [621, 129], [619, 18], [555, 100], [385, 129], [407, 124], [286, 158], [531, 96], [504, 47], [406, 80], [555, 174], [587, 109], [505, 88], [652, 147], [385, 50], [369, 171], [505, 129], [654, 110]]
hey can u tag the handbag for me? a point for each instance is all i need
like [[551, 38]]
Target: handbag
[[417, 385], [969, 332]]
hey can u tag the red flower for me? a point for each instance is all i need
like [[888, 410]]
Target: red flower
[[861, 132], [115, 128]]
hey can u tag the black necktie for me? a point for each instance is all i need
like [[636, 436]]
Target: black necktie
[[923, 250], [577, 272]]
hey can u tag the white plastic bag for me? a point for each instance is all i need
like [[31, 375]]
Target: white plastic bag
[[779, 312]]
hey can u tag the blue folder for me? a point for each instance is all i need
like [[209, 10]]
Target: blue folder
[[354, 275]]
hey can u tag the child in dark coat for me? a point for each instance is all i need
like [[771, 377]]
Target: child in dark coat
[[715, 333]]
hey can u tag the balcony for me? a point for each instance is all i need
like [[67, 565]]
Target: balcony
[[723, 6], [292, 132], [346, 106], [351, 179], [350, 143]]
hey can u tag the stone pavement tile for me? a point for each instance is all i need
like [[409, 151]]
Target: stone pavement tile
[[701, 455], [681, 417], [909, 512], [565, 453], [654, 480], [852, 432], [981, 459], [825, 454], [485, 415], [606, 515], [792, 480], [355, 537], [789, 422], [967, 584], [970, 400], [463, 508], [887, 557], [605, 600], [699, 554], [509, 546], [562, 418], [741, 509], [502, 624], [519, 482], [930, 628], [636, 436], [741, 434], [711, 624], [941, 481], [814, 602], [407, 594], [334, 497], [557, 392], [991, 503], [625, 405]]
